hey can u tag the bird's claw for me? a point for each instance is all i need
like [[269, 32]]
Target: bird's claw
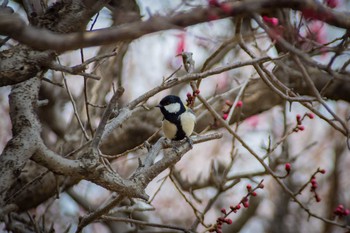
[[177, 143], [190, 141], [176, 150]]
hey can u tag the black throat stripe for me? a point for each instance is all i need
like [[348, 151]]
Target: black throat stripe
[[175, 119]]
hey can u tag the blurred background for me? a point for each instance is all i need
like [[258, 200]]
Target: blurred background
[[215, 174]]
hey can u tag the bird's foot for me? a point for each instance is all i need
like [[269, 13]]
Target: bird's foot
[[190, 141], [176, 150]]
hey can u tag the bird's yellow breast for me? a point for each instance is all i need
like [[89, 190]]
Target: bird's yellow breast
[[182, 127], [188, 120], [169, 129]]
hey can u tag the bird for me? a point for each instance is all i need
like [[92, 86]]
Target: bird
[[179, 121]]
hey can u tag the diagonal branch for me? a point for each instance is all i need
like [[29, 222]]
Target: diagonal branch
[[144, 174], [108, 111], [14, 27], [86, 220], [266, 167], [318, 95]]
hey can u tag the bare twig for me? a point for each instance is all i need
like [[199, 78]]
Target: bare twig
[[318, 96], [304, 56], [76, 114], [158, 189], [196, 212], [70, 70], [239, 95], [100, 129], [83, 222], [148, 171], [193, 76], [143, 223], [266, 167], [142, 145], [18, 30]]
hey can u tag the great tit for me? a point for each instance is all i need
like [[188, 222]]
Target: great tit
[[179, 121]]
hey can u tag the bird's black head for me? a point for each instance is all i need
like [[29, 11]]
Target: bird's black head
[[171, 105], [170, 99]]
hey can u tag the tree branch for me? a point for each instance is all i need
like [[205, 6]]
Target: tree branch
[[144, 174], [25, 130], [14, 27]]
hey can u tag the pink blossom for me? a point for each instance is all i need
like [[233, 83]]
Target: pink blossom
[[310, 14], [317, 32], [287, 166], [212, 17], [239, 104], [214, 3], [253, 121], [181, 43], [332, 3], [225, 7], [270, 20]]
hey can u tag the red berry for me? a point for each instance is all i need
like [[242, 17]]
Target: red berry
[[318, 199], [197, 92], [225, 116], [332, 3], [228, 221], [229, 103], [261, 185], [310, 115], [301, 127], [214, 3], [246, 204], [323, 171], [270, 20], [254, 194], [238, 206], [310, 14], [239, 104], [340, 211], [249, 187], [298, 117], [212, 17], [313, 180], [287, 167], [223, 211], [225, 7]]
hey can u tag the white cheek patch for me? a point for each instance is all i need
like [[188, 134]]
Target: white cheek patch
[[188, 120], [173, 108]]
